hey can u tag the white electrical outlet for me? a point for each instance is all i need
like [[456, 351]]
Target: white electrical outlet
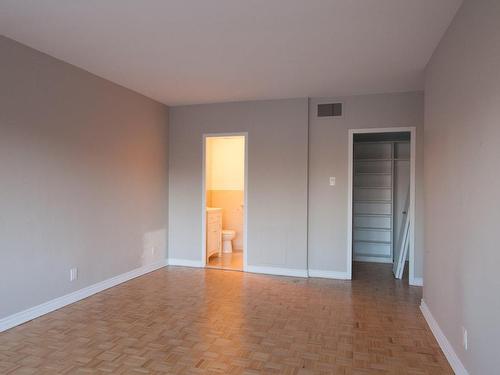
[[73, 274], [332, 181], [153, 250], [465, 338]]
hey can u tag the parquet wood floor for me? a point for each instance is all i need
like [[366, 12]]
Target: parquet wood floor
[[203, 321]]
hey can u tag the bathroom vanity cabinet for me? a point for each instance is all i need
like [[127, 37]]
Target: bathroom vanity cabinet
[[214, 231]]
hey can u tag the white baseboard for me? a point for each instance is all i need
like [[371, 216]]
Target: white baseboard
[[295, 272], [361, 258], [185, 262], [329, 274], [443, 342], [417, 281], [49, 306]]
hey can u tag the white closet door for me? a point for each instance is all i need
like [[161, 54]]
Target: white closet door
[[401, 248], [401, 189]]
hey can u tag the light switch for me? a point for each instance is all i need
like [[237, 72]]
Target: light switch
[[332, 181], [73, 274]]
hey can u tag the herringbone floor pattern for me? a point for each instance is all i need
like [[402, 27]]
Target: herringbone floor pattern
[[197, 321]]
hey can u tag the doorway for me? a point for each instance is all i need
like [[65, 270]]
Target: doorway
[[224, 209], [381, 212]]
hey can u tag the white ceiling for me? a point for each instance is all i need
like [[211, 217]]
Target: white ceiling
[[201, 51]]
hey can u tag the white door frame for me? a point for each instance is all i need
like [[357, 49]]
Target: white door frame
[[204, 203], [413, 138]]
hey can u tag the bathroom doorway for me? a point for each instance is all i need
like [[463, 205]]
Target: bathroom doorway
[[224, 201]]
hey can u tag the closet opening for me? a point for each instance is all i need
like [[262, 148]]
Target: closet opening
[[381, 200], [224, 201]]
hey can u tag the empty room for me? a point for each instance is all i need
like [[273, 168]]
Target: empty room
[[249, 187]]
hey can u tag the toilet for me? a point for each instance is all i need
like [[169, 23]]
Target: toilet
[[227, 236]]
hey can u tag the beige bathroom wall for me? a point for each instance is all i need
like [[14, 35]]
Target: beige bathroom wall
[[225, 163]]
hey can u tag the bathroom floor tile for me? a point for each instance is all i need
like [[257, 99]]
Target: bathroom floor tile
[[232, 261]]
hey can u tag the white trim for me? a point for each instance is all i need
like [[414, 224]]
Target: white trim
[[185, 263], [413, 182], [278, 271], [245, 208], [204, 203], [443, 342], [349, 202], [329, 274], [417, 281], [56, 303], [412, 130], [362, 258]]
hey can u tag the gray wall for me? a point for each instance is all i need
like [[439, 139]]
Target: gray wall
[[277, 178], [328, 156], [462, 184], [278, 175], [83, 166]]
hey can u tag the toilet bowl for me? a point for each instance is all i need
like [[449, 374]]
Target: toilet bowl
[[227, 236]]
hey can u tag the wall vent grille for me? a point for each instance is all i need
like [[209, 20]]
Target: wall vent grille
[[330, 110]]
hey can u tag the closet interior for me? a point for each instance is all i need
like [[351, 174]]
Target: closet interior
[[381, 188]]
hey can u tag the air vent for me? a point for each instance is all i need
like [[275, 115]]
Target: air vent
[[330, 110]]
